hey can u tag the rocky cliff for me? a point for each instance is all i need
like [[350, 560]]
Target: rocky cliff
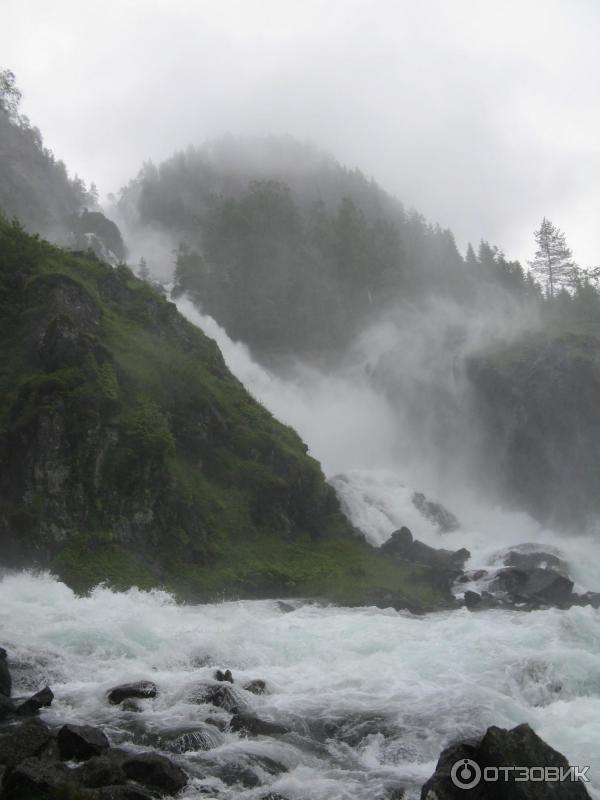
[[539, 403]]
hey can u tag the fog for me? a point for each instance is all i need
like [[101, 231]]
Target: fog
[[484, 116]]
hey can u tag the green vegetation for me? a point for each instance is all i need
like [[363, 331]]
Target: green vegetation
[[129, 454]]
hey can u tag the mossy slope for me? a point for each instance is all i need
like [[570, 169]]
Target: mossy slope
[[130, 454]]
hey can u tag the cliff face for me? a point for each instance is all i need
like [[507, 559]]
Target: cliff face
[[129, 453], [539, 402]]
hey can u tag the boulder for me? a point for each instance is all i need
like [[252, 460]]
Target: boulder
[[473, 575], [156, 772], [588, 599], [224, 676], [41, 699], [22, 741], [250, 724], [220, 695], [436, 513], [536, 586], [5, 679], [7, 707], [104, 770], [126, 791], [201, 737], [36, 779], [519, 747], [80, 742], [256, 687], [401, 546], [536, 559], [472, 599], [140, 690]]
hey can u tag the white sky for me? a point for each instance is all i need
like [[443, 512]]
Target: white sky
[[483, 115]]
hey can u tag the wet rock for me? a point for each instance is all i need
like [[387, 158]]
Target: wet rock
[[140, 690], [256, 687], [7, 707], [402, 546], [37, 779], [474, 575], [41, 699], [519, 747], [5, 679], [201, 737], [436, 513], [588, 599], [22, 741], [80, 742], [472, 599], [285, 608], [525, 559], [250, 724], [155, 771], [246, 769], [221, 696], [224, 676], [104, 770], [441, 787], [536, 586], [127, 791]]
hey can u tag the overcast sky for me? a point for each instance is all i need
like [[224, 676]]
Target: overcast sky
[[483, 115]]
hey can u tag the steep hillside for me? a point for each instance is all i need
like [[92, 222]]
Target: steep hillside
[[129, 453], [291, 252], [538, 402]]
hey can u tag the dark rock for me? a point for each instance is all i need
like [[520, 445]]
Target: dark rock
[[537, 403], [7, 707], [245, 769], [402, 546], [41, 699], [140, 690], [474, 575], [256, 687], [104, 770], [22, 741], [224, 676], [221, 696], [127, 791], [35, 779], [436, 513], [245, 722], [440, 785], [537, 586], [201, 737], [5, 679], [528, 559], [522, 747], [156, 772], [519, 747], [285, 608], [81, 742], [472, 599], [588, 599]]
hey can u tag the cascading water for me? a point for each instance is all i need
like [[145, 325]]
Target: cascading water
[[369, 696]]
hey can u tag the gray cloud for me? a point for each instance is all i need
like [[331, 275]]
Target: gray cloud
[[485, 116]]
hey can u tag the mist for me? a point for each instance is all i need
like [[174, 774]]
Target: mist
[[482, 116]]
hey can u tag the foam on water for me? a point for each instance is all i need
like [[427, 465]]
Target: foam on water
[[396, 688]]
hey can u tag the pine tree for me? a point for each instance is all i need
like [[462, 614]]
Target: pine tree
[[143, 270], [553, 260]]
